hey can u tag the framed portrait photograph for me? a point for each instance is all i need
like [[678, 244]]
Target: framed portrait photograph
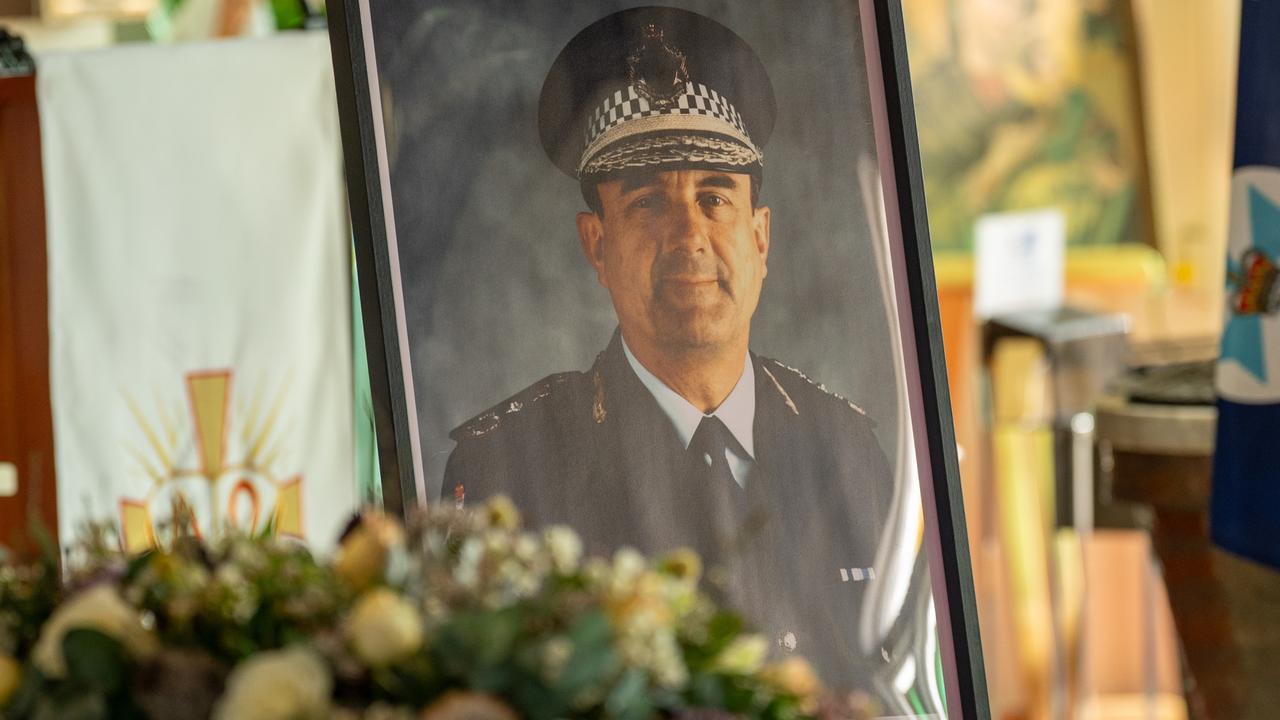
[[662, 274]]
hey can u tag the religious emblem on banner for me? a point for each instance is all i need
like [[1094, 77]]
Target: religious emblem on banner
[[216, 465], [1247, 372]]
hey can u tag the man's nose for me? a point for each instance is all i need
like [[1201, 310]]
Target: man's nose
[[686, 228]]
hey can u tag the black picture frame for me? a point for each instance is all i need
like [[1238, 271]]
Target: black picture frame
[[377, 277]]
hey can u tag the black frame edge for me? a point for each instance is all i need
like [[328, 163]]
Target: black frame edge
[[373, 263], [926, 320]]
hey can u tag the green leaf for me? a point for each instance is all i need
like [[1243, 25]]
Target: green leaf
[[473, 644], [289, 14], [722, 629], [94, 659], [739, 696], [705, 690], [138, 563], [493, 678], [629, 700], [78, 706], [593, 657], [535, 701], [592, 628]]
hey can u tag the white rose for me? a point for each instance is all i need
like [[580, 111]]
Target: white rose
[[99, 608], [384, 628], [565, 547], [290, 684]]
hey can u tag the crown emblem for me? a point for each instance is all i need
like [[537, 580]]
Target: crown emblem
[[655, 69], [1256, 289]]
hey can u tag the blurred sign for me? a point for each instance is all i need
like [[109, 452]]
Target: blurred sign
[[1020, 262]]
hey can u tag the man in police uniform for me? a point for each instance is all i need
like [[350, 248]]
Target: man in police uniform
[[678, 435]]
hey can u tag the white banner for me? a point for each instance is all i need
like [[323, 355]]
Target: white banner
[[199, 287]]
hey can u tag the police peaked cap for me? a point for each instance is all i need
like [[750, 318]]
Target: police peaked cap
[[655, 88]]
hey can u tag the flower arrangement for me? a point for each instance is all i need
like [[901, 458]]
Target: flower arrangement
[[460, 616]]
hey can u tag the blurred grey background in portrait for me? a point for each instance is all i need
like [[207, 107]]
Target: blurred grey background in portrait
[[497, 293]]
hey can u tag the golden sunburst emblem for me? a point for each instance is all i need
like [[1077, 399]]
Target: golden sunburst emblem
[[221, 467]]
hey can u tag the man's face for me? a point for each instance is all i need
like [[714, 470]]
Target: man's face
[[682, 253]]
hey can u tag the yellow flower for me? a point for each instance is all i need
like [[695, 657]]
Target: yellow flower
[[743, 656], [10, 678], [795, 676], [384, 628], [290, 684], [459, 705], [641, 606], [682, 564], [502, 513], [99, 608], [362, 557]]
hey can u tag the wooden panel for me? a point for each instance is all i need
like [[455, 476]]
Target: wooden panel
[[26, 422], [18, 8]]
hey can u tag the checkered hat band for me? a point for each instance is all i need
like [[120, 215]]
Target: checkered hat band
[[628, 104]]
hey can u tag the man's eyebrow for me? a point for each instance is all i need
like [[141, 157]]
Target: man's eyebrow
[[637, 182], [718, 180]]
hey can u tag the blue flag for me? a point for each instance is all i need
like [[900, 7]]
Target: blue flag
[[1245, 512]]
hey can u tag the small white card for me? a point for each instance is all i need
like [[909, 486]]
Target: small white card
[[1020, 261], [8, 479]]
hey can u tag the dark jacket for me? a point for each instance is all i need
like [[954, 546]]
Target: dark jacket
[[593, 450]]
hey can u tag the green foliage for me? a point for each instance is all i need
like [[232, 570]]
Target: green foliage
[[290, 14], [94, 660], [28, 595], [95, 687], [593, 658]]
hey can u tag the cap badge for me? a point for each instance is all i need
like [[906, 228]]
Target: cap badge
[[655, 69]]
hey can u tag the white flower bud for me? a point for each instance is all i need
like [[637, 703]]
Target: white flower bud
[[565, 548]]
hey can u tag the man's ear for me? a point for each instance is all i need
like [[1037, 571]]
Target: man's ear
[[591, 237], [760, 231]]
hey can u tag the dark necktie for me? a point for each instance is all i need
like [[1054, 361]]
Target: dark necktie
[[707, 453]]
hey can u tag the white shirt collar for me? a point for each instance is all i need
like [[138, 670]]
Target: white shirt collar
[[737, 412]]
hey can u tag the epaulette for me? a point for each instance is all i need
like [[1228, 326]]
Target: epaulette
[[487, 421], [798, 375]]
